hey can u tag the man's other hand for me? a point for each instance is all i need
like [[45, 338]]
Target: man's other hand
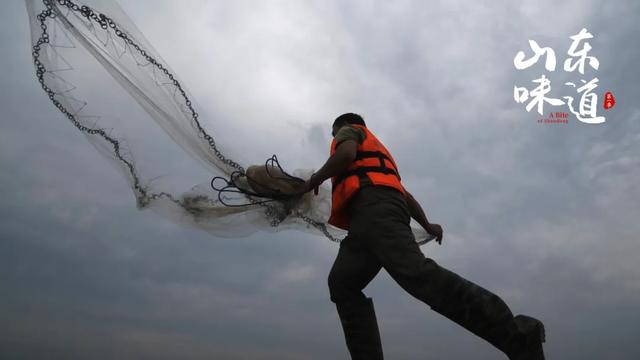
[[436, 230]]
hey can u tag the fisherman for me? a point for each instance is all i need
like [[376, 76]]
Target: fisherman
[[370, 202]]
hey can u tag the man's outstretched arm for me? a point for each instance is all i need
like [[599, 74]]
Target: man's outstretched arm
[[418, 214], [344, 155]]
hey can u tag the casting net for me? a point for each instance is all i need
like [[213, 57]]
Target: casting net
[[87, 52]]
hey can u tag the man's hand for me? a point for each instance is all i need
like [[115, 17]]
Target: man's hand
[[312, 184], [436, 230], [417, 213]]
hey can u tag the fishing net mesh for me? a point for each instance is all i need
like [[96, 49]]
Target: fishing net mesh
[[86, 52]]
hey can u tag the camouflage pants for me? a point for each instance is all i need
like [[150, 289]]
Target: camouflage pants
[[380, 237]]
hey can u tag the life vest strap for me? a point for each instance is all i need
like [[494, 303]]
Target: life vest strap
[[362, 171], [373, 154]]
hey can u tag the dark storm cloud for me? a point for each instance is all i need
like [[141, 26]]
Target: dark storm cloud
[[543, 215]]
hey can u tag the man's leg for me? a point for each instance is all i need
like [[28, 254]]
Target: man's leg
[[352, 270], [469, 305]]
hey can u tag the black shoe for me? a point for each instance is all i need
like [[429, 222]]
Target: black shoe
[[529, 344]]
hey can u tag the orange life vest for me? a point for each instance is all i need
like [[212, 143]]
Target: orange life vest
[[372, 160]]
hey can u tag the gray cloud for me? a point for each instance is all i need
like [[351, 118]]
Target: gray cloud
[[543, 215]]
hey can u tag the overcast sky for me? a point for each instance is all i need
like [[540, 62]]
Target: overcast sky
[[545, 215]]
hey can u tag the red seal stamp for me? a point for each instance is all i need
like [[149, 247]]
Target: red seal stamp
[[609, 100]]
